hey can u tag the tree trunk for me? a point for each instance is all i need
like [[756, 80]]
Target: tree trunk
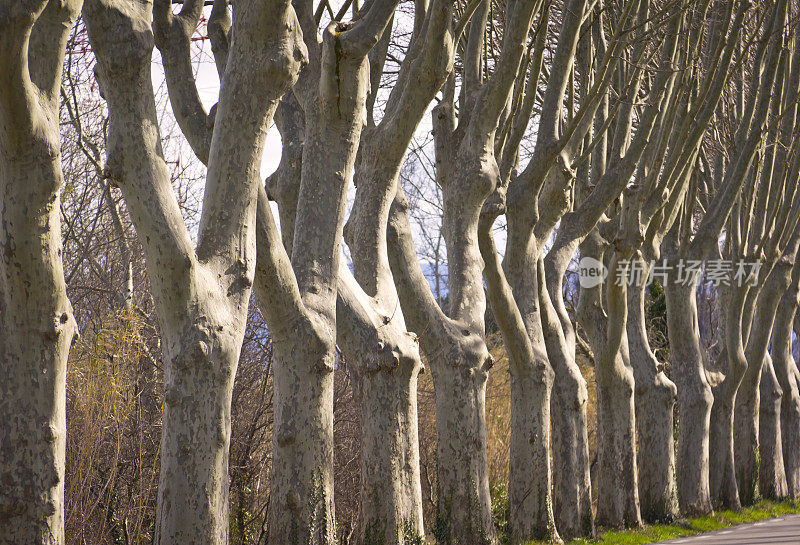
[[302, 476], [36, 330], [572, 497], [723, 475], [572, 501], [518, 314], [37, 326], [617, 481], [464, 505], [202, 293], [655, 397], [746, 449], [772, 477], [302, 508], [788, 378], [391, 490], [385, 363], [459, 360], [529, 477], [748, 399], [385, 357], [694, 399], [722, 467], [201, 360]]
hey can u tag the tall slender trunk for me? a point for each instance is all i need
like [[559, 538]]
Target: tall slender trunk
[[572, 503], [722, 467], [459, 375], [772, 476], [788, 378], [459, 360], [694, 399], [302, 476], [655, 397], [385, 357], [302, 472], [616, 483], [616, 478], [36, 330], [748, 399], [529, 479]]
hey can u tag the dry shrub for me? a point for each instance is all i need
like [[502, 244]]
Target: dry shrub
[[113, 423]]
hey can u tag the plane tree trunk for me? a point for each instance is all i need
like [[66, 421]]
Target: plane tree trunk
[[37, 325], [202, 293], [655, 396], [772, 481], [454, 343], [789, 380], [616, 473]]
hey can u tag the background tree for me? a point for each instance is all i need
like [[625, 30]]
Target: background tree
[[454, 341]]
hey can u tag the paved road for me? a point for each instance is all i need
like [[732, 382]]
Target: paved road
[[767, 532]]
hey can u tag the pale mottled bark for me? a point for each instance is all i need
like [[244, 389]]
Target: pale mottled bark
[[36, 321], [789, 380], [571, 478], [746, 425], [572, 502], [454, 343], [663, 181], [396, 514], [459, 360], [202, 293], [773, 197], [655, 397], [734, 418], [530, 481], [391, 497], [571, 496], [333, 93], [386, 364], [173, 33], [575, 225], [772, 477], [283, 185], [724, 490], [616, 479], [688, 242], [694, 399], [305, 435]]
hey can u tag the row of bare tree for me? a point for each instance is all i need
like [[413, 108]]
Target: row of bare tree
[[640, 133]]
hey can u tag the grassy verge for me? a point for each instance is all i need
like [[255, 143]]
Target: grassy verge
[[690, 527]]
